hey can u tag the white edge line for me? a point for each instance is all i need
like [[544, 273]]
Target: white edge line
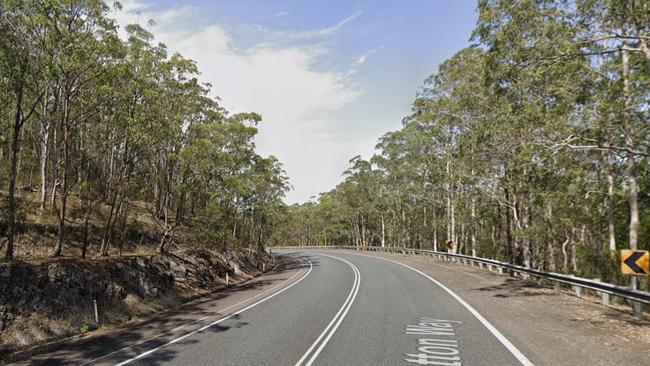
[[191, 322], [511, 347], [216, 313], [144, 354], [347, 303]]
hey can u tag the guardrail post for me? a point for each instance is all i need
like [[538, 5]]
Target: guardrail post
[[637, 308], [480, 265], [604, 297], [556, 286], [500, 270], [577, 290]]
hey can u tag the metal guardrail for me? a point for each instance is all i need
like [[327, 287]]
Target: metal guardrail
[[636, 298]]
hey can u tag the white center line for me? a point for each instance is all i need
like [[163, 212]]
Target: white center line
[[336, 321]]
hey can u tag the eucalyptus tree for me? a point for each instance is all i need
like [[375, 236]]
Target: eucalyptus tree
[[516, 145], [122, 123], [23, 63], [80, 32], [615, 36]]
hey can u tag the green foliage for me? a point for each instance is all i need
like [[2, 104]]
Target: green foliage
[[121, 123], [512, 147]]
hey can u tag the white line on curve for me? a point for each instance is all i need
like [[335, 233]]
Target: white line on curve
[[192, 322], [324, 343], [144, 354], [338, 318], [511, 347]]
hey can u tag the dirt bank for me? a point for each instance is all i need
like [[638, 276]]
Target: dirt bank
[[43, 301]]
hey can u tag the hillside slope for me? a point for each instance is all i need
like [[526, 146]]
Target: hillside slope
[[51, 299]]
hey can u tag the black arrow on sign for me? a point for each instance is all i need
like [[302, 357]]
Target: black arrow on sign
[[631, 262]]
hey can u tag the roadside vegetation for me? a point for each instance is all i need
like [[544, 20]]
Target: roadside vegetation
[[531, 146], [109, 143]]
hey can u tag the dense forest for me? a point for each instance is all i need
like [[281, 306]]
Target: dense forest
[[96, 128], [529, 146]]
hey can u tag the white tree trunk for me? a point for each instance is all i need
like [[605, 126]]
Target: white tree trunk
[[383, 232], [610, 213], [43, 164], [473, 237], [630, 171]]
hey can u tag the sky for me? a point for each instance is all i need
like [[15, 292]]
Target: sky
[[329, 77]]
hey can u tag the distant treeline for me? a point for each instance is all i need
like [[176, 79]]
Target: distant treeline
[[530, 146]]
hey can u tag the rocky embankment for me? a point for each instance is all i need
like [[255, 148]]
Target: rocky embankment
[[54, 299]]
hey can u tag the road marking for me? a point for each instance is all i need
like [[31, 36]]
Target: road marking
[[193, 321], [144, 354], [338, 318], [511, 347], [435, 351]]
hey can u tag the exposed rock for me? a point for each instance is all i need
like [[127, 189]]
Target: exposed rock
[[55, 272], [56, 297], [178, 271]]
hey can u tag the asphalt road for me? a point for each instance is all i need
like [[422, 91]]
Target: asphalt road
[[336, 309]]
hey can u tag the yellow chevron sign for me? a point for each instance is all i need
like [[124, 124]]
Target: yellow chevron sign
[[635, 262]]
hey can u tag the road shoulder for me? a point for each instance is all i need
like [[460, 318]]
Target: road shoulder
[[550, 328], [103, 346]]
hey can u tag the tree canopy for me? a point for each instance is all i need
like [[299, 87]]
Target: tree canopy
[[529, 146], [113, 123]]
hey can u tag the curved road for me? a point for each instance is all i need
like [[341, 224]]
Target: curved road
[[335, 309]]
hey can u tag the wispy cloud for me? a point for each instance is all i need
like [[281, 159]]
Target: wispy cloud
[[303, 35], [364, 56], [278, 80], [361, 59], [283, 14]]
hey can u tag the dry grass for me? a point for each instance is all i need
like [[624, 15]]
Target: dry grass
[[37, 234]]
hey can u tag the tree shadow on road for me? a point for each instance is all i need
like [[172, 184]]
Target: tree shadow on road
[[130, 341]]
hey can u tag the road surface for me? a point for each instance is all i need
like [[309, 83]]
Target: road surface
[[332, 308]]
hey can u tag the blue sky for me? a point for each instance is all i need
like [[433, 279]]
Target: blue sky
[[328, 77]]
